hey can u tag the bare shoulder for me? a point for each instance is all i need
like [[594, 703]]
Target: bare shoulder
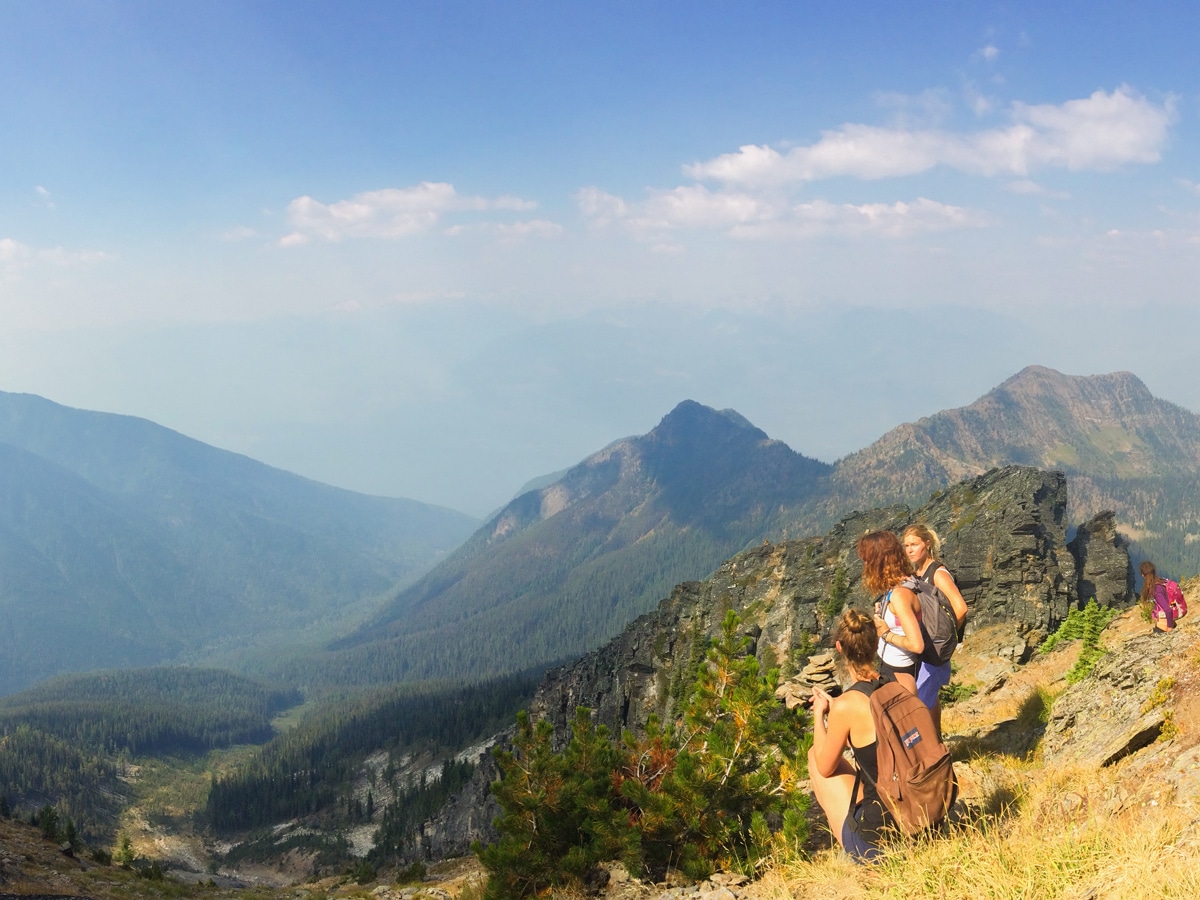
[[943, 576]]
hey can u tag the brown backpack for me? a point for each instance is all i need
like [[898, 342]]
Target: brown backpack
[[916, 775]]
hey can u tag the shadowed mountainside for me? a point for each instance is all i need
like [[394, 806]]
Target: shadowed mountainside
[[125, 543], [567, 565]]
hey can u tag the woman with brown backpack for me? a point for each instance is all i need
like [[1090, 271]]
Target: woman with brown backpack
[[855, 817]]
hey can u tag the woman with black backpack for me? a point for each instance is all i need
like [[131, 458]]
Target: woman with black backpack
[[921, 546]]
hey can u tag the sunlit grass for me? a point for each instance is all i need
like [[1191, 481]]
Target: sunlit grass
[[1056, 839]]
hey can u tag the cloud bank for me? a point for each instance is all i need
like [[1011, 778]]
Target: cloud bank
[[1099, 133]]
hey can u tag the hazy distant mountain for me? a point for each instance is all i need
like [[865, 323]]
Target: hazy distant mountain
[[1122, 449], [568, 565], [123, 543], [565, 566]]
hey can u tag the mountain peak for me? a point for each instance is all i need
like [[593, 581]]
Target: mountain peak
[[690, 418], [1035, 379]]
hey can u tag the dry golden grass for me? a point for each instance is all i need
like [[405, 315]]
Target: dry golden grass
[[1056, 841]]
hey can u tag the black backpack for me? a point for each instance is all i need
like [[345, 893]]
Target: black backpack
[[939, 628]]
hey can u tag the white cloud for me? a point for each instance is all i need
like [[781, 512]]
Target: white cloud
[[390, 213], [44, 196], [890, 220], [13, 251], [990, 53], [16, 256], [750, 217], [1099, 133], [534, 228]]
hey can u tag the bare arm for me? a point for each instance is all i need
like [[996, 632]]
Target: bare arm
[[829, 737]]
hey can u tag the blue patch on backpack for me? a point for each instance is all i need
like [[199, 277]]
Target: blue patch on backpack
[[911, 738]]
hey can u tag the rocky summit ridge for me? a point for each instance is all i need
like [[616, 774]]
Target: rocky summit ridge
[[1121, 448], [567, 565]]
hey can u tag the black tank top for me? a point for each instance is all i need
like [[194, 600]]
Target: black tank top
[[871, 816]]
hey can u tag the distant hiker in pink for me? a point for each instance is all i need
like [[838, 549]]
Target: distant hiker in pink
[[921, 546], [1154, 595]]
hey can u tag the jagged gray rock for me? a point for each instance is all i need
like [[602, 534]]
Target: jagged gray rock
[[1003, 537], [1119, 709], [1105, 571]]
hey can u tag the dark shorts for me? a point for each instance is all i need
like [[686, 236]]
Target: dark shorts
[[887, 669], [854, 843]]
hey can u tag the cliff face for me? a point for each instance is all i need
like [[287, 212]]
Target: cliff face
[[1004, 538]]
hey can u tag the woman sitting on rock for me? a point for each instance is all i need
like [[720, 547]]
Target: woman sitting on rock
[[845, 721]]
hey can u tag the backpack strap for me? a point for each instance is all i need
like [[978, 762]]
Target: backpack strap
[[866, 688], [930, 571]]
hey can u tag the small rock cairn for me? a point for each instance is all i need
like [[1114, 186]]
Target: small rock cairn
[[818, 673]]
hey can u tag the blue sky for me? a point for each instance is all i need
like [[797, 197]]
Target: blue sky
[[434, 250]]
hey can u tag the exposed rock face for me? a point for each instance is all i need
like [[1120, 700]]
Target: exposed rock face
[[467, 817], [1105, 571], [1003, 538], [1113, 713]]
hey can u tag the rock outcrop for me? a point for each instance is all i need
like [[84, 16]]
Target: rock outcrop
[[1004, 538], [1102, 555], [1119, 709]]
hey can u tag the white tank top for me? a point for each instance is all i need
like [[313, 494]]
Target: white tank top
[[894, 656]]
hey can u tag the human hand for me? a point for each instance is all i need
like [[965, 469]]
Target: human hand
[[820, 702]]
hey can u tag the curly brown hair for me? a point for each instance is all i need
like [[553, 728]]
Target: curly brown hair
[[884, 562]]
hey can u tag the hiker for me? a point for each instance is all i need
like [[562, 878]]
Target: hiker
[[841, 722], [897, 612], [921, 546], [1154, 595]]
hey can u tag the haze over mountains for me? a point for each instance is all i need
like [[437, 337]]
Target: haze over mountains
[[123, 543], [567, 565], [585, 555]]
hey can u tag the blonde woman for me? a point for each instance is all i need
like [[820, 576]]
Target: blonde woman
[[898, 611], [921, 547]]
